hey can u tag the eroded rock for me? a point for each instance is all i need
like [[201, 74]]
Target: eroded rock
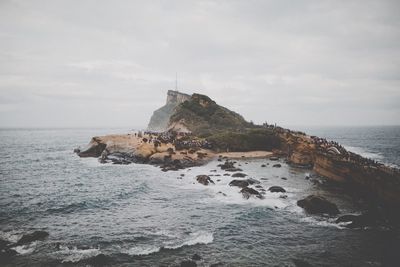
[[318, 205]]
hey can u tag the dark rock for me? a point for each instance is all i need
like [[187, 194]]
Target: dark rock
[[283, 196], [274, 158], [227, 174], [77, 150], [188, 263], [227, 165], [239, 183], [94, 149], [253, 181], [28, 238], [264, 179], [204, 179], [247, 192], [218, 180], [222, 193], [239, 174], [277, 165], [213, 170], [258, 186], [182, 174], [318, 205], [276, 189], [196, 257], [283, 178], [263, 165]]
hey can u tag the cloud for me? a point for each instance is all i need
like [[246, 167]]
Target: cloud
[[291, 63]]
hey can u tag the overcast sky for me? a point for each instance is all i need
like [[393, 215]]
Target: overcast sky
[[110, 63]]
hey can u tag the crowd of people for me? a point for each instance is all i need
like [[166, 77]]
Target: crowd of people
[[181, 140]]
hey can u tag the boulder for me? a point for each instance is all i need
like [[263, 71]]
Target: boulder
[[253, 181], [276, 189], [227, 165], [277, 165], [263, 165], [204, 179], [239, 174], [318, 205], [28, 238], [247, 192], [239, 183]]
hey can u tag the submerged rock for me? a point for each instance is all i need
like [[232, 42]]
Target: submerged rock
[[239, 183], [318, 205], [28, 238], [233, 170], [276, 189], [204, 179], [277, 165], [359, 221], [239, 174], [253, 181]]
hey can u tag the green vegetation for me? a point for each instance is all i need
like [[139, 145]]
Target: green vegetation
[[248, 140], [204, 117]]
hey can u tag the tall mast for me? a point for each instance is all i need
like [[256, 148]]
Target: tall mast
[[176, 81]]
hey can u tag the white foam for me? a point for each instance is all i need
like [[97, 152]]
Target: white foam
[[323, 223], [10, 236], [74, 254], [366, 154], [143, 250], [200, 237], [25, 249]]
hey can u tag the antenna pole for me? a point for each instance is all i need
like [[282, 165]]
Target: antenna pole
[[176, 81]]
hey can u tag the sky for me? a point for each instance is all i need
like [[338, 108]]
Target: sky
[[110, 63]]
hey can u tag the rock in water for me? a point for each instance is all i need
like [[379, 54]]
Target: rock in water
[[204, 179], [253, 181], [276, 189], [318, 205], [239, 174], [247, 192], [28, 238], [277, 165], [239, 183], [94, 149], [359, 221]]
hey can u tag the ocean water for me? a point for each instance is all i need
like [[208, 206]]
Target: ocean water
[[137, 215]]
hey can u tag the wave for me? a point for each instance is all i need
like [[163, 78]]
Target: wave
[[363, 152], [25, 249], [74, 254], [195, 238]]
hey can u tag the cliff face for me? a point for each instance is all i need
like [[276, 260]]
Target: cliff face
[[160, 118], [202, 116], [382, 181]]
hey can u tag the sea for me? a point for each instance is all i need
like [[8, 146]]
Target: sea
[[137, 215]]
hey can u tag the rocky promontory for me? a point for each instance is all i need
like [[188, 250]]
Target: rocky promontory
[[191, 130]]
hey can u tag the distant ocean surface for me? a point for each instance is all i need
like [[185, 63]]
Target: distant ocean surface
[[137, 215]]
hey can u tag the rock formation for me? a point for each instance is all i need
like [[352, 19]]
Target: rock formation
[[160, 118]]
